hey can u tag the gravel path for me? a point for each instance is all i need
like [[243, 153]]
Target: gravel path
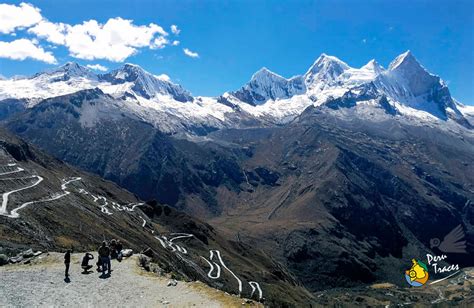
[[42, 284]]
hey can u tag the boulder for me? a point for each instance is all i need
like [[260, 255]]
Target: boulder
[[127, 253], [172, 283], [16, 259], [3, 259], [37, 253], [28, 253]]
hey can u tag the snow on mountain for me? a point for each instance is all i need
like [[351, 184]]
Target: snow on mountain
[[467, 111], [266, 85], [324, 73], [367, 73], [65, 79], [145, 84], [407, 87], [404, 89]]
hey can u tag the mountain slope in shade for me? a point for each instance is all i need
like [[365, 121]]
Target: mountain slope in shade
[[91, 130], [346, 195], [50, 206]]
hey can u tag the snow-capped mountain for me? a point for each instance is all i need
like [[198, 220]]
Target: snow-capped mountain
[[68, 71], [406, 89], [266, 85], [324, 73], [145, 84], [66, 79], [71, 77]]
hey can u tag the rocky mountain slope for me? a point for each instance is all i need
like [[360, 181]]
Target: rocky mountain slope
[[49, 205], [348, 197], [324, 177]]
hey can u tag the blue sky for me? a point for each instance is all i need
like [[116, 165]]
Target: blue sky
[[235, 38]]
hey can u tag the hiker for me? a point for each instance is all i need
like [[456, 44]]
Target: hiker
[[99, 264], [113, 249], [119, 251], [104, 255], [85, 262], [67, 262]]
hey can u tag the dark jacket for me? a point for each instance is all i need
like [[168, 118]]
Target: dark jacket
[[67, 257], [85, 260], [104, 251]]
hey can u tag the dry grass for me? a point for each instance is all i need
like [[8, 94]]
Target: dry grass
[[66, 242], [383, 285], [225, 298]]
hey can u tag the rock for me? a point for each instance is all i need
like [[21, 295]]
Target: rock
[[16, 259], [28, 253], [359, 299], [172, 283], [3, 259], [458, 298], [127, 253], [144, 262], [37, 253]]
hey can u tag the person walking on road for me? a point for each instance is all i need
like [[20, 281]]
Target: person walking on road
[[104, 255]]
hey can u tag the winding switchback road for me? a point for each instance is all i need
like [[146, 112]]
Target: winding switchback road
[[3, 209]]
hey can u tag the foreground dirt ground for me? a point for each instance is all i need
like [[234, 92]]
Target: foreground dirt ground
[[41, 284]]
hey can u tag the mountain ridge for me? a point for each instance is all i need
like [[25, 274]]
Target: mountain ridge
[[267, 98]]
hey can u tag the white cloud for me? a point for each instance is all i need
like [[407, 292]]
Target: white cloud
[[159, 43], [175, 30], [116, 40], [52, 32], [13, 17], [163, 77], [364, 41], [190, 53], [22, 49], [97, 67]]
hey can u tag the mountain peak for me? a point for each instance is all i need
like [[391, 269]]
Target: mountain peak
[[265, 73], [73, 67], [266, 85], [325, 68], [404, 60], [66, 72], [327, 59], [413, 77], [325, 62], [146, 84], [374, 66], [130, 67]]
